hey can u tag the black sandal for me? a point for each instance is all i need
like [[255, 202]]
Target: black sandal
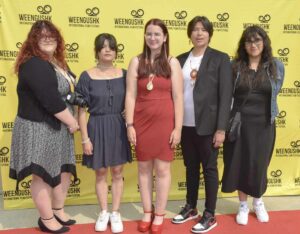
[[44, 228], [66, 223]]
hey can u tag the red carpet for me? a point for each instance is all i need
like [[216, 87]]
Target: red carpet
[[281, 222]]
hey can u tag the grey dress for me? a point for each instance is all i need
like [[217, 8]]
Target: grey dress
[[38, 149], [106, 126]]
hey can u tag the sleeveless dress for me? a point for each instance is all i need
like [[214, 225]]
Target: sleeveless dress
[[106, 125], [38, 149], [246, 161], [154, 120]]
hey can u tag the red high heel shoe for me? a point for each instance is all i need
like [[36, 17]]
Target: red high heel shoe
[[157, 228], [144, 226]]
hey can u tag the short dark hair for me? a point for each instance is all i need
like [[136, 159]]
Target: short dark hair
[[205, 22], [99, 43]]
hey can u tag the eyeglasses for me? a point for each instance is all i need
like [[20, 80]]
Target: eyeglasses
[[48, 38], [256, 42]]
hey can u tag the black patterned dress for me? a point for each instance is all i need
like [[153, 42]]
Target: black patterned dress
[[38, 149]]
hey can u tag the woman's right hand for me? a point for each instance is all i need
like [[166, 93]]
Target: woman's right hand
[[87, 148], [74, 127], [131, 135]]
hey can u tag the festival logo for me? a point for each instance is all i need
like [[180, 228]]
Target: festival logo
[[292, 151], [220, 154], [291, 28], [21, 194], [297, 181], [283, 55], [178, 22], [133, 154], [293, 91], [10, 55], [72, 55], [274, 180], [42, 13], [281, 119], [78, 158], [135, 21], [178, 153], [201, 180], [120, 55], [74, 189], [2, 86], [263, 21], [4, 159], [90, 19], [7, 126], [222, 23]]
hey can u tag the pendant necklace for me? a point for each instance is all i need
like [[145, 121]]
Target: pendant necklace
[[193, 73], [149, 85]]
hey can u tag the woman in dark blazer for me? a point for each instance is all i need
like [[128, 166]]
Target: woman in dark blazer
[[207, 99]]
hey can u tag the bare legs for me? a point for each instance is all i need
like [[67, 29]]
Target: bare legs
[[162, 186], [45, 198], [102, 187], [242, 196]]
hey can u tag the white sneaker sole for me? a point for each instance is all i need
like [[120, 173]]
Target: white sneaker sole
[[185, 220], [204, 231]]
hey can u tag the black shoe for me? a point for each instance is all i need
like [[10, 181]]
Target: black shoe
[[186, 213], [44, 228], [65, 223], [206, 223]]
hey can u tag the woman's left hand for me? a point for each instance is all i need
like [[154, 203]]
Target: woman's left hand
[[219, 138], [175, 138]]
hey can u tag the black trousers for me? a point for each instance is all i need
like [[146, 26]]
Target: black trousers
[[198, 150]]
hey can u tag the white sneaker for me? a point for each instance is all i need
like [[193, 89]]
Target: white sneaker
[[102, 221], [242, 215], [116, 222], [261, 213]]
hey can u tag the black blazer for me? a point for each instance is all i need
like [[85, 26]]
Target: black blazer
[[212, 92]]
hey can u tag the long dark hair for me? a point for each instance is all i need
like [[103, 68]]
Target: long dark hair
[[242, 58], [160, 65], [30, 46]]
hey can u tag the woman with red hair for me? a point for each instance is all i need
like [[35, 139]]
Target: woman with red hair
[[42, 140]]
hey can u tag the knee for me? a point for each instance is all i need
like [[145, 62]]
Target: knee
[[101, 174], [162, 172], [116, 174], [144, 170]]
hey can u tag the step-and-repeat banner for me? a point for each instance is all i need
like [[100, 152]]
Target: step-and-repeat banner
[[82, 20]]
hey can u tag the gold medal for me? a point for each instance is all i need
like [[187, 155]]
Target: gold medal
[[149, 85]]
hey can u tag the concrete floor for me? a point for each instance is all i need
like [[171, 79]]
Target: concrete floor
[[132, 211]]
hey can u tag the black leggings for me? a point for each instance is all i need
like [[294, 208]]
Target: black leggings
[[199, 149]]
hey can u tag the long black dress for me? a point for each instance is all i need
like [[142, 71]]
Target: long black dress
[[246, 161]]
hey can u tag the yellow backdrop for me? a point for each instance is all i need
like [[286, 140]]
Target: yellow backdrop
[[80, 21]]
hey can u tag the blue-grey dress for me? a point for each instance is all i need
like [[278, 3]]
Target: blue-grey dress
[[106, 126]]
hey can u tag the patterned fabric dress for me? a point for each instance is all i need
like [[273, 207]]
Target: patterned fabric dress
[[38, 149]]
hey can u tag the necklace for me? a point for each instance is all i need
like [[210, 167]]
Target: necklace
[[104, 67], [149, 85], [194, 71]]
